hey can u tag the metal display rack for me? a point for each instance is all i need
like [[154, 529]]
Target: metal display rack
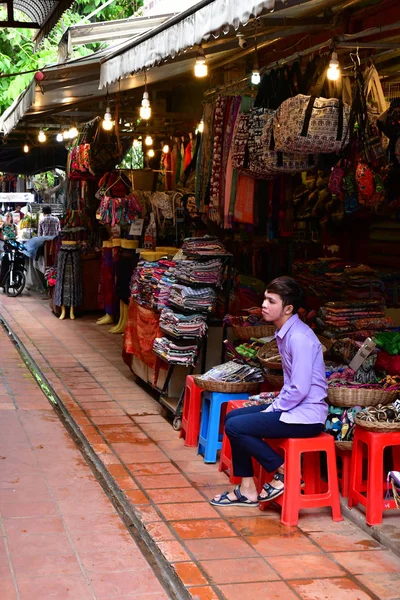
[[174, 405]]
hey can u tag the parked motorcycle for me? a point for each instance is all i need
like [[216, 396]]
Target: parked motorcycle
[[13, 268]]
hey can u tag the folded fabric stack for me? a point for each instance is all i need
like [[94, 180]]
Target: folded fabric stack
[[207, 272], [146, 280], [201, 300], [173, 353], [338, 318], [338, 280], [182, 326], [232, 372], [164, 288], [203, 246]]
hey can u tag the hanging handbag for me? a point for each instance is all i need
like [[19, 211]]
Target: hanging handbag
[[311, 125], [282, 162], [105, 152]]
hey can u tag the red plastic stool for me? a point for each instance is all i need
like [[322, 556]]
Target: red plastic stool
[[376, 485], [225, 458], [292, 500], [344, 480], [191, 413]]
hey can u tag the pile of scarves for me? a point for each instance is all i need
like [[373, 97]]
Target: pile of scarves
[[184, 355], [200, 300], [203, 246], [146, 280], [233, 372], [207, 272], [182, 326], [337, 280], [337, 318]]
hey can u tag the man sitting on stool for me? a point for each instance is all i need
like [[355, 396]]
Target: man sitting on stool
[[299, 411]]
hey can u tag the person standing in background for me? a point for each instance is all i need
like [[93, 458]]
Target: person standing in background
[[49, 226]]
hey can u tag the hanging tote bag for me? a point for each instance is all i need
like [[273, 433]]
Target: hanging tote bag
[[105, 152], [311, 125], [282, 162]]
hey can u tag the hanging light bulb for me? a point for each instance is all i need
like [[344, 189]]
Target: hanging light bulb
[[200, 127], [136, 143], [73, 133], [334, 68], [165, 149], [65, 134], [151, 153], [107, 123], [60, 137], [26, 148], [42, 136], [145, 109], [255, 77], [148, 140], [200, 67]]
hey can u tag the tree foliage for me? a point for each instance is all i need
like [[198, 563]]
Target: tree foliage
[[17, 49]]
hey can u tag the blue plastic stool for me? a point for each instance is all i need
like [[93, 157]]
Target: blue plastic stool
[[210, 439]]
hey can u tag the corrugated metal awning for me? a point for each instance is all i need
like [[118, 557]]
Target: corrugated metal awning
[[199, 23], [43, 15]]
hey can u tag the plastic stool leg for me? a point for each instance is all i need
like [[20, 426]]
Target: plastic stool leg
[[355, 471], [374, 485], [193, 417], [333, 483], [213, 444], [205, 418], [346, 462], [291, 496]]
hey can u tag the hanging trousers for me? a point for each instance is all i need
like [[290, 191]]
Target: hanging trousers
[[246, 428]]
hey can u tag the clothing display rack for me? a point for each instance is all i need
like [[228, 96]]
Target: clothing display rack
[[175, 404]]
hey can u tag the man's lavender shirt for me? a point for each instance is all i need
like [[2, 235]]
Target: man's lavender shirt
[[302, 398]]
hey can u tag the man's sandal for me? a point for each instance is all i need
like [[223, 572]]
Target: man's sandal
[[240, 500], [272, 492]]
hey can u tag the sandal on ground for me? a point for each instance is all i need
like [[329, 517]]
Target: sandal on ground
[[240, 500], [273, 492]]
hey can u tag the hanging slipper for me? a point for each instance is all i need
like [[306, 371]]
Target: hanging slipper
[[240, 500]]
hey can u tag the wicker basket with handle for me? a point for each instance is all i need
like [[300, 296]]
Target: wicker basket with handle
[[344, 397], [225, 387], [378, 426], [242, 332]]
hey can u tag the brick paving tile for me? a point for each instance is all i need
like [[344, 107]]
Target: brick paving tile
[[226, 553]]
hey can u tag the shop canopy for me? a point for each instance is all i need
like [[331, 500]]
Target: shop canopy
[[42, 15], [207, 21]]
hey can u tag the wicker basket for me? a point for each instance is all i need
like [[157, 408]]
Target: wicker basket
[[377, 426], [210, 385], [257, 331], [344, 397], [340, 445], [276, 381]]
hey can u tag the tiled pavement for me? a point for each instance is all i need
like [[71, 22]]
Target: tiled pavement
[[235, 553], [60, 536]]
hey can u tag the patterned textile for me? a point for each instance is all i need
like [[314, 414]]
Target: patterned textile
[[127, 262], [281, 162], [140, 332], [239, 142], [68, 289], [215, 184], [108, 281], [311, 125], [49, 226]]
